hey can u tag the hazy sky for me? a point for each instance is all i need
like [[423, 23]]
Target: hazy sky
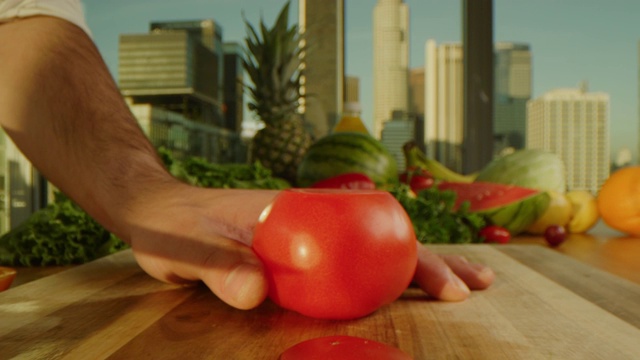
[[571, 40]]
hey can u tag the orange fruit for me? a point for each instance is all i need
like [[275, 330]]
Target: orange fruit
[[619, 200]]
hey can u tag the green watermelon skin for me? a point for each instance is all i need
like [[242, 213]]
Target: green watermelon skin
[[514, 208], [347, 152], [530, 168], [519, 216]]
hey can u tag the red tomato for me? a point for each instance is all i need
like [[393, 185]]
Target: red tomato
[[343, 348], [417, 179], [356, 181], [336, 254], [6, 277], [495, 234]]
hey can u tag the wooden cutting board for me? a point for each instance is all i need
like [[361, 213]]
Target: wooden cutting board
[[543, 305]]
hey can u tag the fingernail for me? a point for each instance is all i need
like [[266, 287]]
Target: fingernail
[[486, 274], [455, 289], [244, 284]]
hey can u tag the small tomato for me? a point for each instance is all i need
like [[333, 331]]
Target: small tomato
[[355, 181], [495, 234], [417, 179], [335, 254], [341, 347]]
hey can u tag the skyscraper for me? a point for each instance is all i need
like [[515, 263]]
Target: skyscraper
[[172, 79], [352, 89], [444, 103], [233, 85], [512, 91], [177, 66], [574, 124], [390, 61], [416, 91], [322, 23]]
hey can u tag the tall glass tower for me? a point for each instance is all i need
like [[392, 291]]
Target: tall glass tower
[[390, 61]]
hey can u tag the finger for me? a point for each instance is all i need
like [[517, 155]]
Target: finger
[[435, 277], [236, 276], [476, 276]]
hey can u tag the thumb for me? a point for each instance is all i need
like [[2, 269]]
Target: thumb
[[238, 279]]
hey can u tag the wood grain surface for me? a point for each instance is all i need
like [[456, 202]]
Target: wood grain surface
[[542, 306]]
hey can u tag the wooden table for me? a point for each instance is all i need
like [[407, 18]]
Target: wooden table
[[543, 305]]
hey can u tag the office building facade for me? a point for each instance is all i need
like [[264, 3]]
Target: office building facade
[[23, 190], [574, 124], [172, 79], [233, 85], [417, 91], [512, 91], [322, 25], [390, 61], [177, 66]]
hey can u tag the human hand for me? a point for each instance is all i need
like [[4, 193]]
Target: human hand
[[191, 234]]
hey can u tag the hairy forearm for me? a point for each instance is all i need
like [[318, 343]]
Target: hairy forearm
[[61, 107]]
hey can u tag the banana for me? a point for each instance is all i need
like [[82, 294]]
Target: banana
[[416, 158]]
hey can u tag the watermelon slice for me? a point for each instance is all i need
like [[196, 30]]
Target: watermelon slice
[[512, 207]]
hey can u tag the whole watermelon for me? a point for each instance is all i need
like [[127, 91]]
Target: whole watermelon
[[347, 152]]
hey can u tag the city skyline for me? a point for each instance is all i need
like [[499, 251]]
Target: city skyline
[[567, 45]]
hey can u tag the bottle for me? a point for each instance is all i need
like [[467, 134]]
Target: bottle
[[351, 120]]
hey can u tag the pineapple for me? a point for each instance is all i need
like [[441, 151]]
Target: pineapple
[[273, 63]]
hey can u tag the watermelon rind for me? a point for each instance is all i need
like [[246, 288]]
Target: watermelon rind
[[531, 168], [347, 152], [514, 208], [517, 217]]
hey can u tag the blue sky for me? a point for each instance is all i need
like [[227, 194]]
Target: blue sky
[[571, 40]]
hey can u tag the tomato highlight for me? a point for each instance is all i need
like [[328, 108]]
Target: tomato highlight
[[335, 254]]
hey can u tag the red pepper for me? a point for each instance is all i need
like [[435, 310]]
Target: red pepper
[[353, 181], [417, 179]]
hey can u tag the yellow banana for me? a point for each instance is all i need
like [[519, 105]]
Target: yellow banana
[[414, 157]]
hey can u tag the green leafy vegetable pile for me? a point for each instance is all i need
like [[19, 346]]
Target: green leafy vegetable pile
[[434, 218], [62, 233], [200, 172], [59, 234]]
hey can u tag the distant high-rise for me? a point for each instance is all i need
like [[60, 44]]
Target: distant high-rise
[[322, 22], [352, 89], [512, 91], [233, 84], [573, 124], [416, 91], [444, 103], [390, 61]]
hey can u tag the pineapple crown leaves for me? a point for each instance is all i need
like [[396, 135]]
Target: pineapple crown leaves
[[273, 62]]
